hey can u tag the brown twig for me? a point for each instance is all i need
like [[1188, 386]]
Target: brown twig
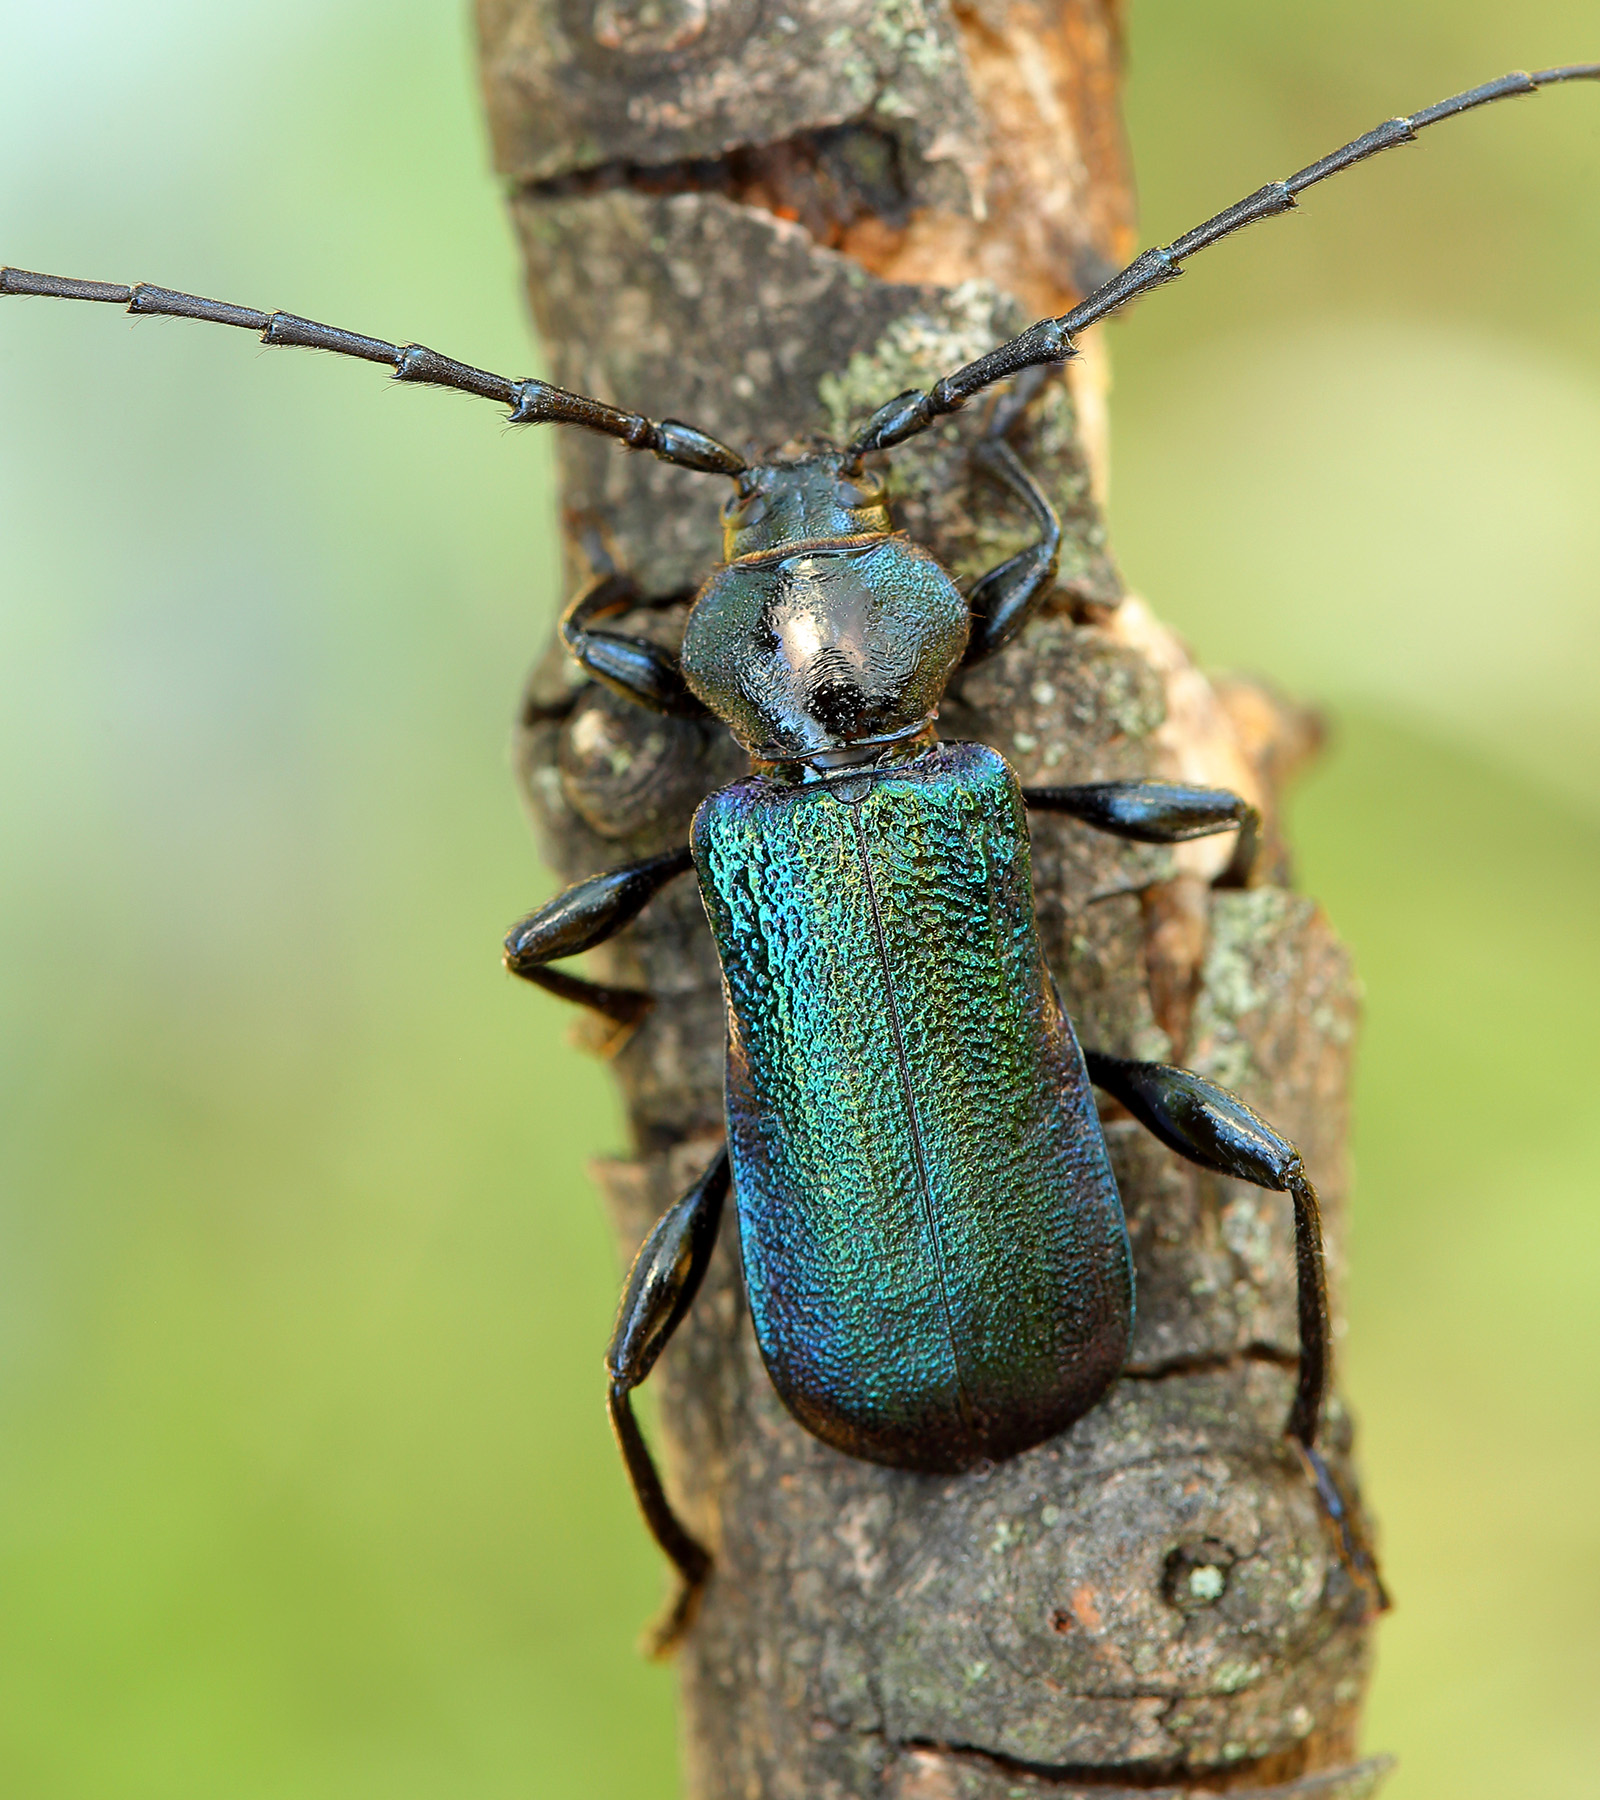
[[766, 221]]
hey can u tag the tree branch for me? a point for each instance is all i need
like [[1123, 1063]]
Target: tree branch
[[766, 220]]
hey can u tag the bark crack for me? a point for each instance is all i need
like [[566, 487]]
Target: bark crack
[[1215, 1362], [824, 180], [1247, 1773]]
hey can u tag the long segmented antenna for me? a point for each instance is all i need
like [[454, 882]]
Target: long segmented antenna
[[531, 402], [1050, 340]]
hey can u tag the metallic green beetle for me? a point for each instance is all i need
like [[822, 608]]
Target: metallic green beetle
[[934, 1250]]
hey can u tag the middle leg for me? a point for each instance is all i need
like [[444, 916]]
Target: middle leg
[[1159, 812], [584, 915], [1151, 812]]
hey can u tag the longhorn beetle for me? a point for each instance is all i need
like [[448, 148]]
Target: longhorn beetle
[[934, 1250]]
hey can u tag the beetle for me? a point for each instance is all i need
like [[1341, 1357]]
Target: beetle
[[895, 1039]]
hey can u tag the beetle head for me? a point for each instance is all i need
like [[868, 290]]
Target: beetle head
[[823, 630], [818, 498]]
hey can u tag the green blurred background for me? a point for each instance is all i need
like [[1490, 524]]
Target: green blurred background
[[305, 1485]]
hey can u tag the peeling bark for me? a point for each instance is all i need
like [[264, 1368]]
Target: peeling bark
[[767, 219]]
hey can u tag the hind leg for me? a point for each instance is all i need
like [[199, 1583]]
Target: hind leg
[[1216, 1130], [662, 1284]]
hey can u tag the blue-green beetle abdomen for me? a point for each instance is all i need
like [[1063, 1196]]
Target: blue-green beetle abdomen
[[934, 1249]]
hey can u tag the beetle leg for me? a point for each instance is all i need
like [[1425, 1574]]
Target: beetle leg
[[662, 1284], [1211, 1127], [1215, 1129], [1012, 403], [1004, 599], [586, 914], [1154, 812], [631, 666]]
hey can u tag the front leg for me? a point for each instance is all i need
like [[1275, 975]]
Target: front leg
[[1007, 596], [584, 915], [662, 1284], [634, 667]]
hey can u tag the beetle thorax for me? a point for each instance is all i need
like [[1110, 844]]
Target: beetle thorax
[[823, 629]]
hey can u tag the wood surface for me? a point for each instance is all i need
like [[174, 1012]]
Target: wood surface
[[766, 218]]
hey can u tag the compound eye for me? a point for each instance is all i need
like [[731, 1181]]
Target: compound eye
[[863, 491]]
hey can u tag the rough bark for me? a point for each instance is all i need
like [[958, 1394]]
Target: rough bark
[[766, 219]]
